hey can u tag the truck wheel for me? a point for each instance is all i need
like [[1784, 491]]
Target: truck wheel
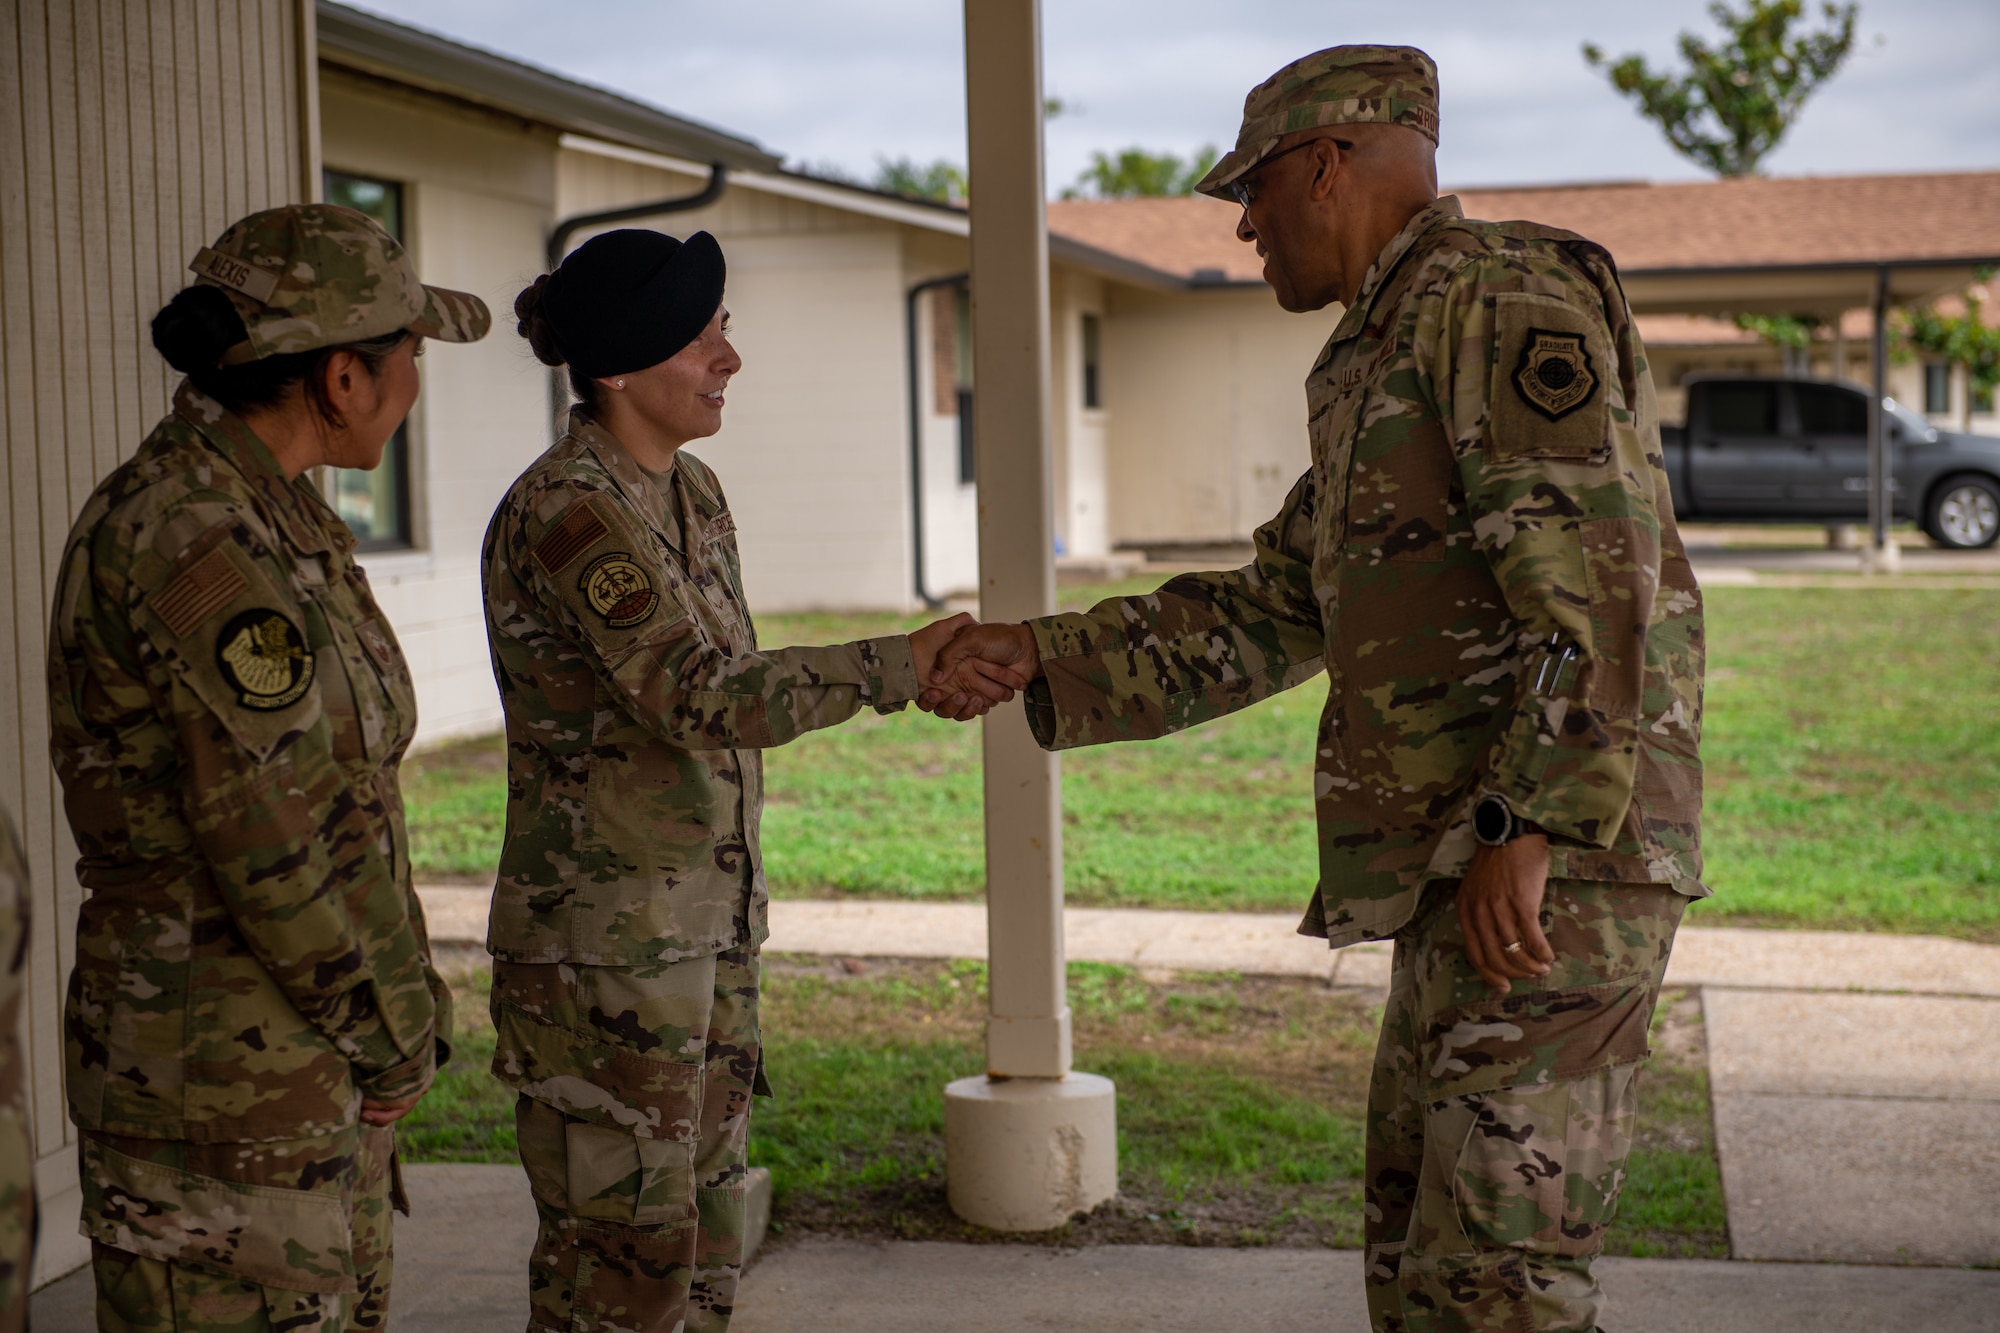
[[1965, 512]]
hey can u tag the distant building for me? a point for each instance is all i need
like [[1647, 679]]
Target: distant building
[[1177, 379]]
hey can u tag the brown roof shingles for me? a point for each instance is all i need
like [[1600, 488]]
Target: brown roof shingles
[[1754, 222]]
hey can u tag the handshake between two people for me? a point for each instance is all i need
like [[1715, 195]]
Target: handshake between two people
[[965, 668]]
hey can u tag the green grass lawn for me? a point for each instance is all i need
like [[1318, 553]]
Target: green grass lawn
[[1853, 757], [1240, 1106], [1853, 761]]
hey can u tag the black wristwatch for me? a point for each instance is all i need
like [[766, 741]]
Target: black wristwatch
[[1494, 824]]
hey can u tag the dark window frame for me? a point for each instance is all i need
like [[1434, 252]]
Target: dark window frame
[[1091, 336], [1937, 388], [961, 315], [396, 454]]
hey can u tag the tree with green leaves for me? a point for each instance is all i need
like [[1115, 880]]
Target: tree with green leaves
[[941, 181], [1137, 174], [1964, 339], [1737, 97]]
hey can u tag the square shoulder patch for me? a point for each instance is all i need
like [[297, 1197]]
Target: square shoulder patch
[[237, 640], [1550, 392], [580, 530]]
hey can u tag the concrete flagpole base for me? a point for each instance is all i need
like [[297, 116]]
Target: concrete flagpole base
[[1028, 1154], [1886, 559]]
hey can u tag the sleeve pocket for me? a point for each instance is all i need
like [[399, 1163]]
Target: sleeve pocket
[[239, 645], [1549, 393]]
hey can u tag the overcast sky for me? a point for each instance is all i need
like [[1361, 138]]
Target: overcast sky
[[846, 82]]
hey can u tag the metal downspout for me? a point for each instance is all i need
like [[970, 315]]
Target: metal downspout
[[718, 181], [923, 592]]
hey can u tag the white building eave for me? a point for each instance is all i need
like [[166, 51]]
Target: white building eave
[[948, 219], [371, 44], [868, 203]]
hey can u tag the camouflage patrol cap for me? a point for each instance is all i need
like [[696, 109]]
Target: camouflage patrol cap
[[317, 275], [1342, 85]]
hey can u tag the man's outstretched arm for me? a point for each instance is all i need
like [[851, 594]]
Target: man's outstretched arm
[[1134, 668]]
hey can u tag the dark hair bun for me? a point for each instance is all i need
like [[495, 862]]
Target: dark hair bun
[[193, 330], [534, 325]]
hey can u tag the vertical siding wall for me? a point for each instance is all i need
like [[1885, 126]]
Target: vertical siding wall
[[131, 133]]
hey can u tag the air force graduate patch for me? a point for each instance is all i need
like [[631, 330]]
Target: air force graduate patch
[[618, 589], [264, 659], [1555, 376]]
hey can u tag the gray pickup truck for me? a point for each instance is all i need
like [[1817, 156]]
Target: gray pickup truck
[[1795, 449]]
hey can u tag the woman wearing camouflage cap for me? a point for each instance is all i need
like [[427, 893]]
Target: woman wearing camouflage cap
[[631, 900], [253, 1004]]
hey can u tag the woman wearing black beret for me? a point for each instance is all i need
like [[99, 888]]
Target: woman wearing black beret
[[630, 901]]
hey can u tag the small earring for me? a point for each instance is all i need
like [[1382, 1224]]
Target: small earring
[[619, 383]]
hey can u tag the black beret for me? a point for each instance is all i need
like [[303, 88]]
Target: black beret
[[631, 298]]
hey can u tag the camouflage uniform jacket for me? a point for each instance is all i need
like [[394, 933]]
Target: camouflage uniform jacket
[[636, 702], [227, 708], [17, 1146], [1482, 557]]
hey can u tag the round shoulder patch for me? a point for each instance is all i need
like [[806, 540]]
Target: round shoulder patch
[[263, 657], [618, 589]]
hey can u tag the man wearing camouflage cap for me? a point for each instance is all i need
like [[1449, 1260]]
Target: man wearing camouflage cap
[[253, 1004], [1484, 561]]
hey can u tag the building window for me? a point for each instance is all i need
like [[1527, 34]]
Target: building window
[[375, 504], [951, 367], [1937, 388], [1093, 351]]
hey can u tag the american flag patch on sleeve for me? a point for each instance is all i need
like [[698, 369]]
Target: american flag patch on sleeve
[[580, 529], [207, 586]]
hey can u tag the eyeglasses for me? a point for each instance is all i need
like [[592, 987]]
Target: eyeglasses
[[1240, 190]]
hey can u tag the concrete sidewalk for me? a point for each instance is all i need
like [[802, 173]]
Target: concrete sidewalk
[[1722, 558], [1269, 945], [915, 1287], [1857, 1127], [461, 1267]]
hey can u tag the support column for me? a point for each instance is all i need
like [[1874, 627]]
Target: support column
[[1881, 555], [1031, 1143]]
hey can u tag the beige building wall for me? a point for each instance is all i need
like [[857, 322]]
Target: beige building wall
[[479, 195], [131, 134], [1204, 411]]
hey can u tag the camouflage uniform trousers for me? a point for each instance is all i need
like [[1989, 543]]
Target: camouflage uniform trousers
[[247, 1225], [640, 1234], [1498, 1126], [19, 1220]]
